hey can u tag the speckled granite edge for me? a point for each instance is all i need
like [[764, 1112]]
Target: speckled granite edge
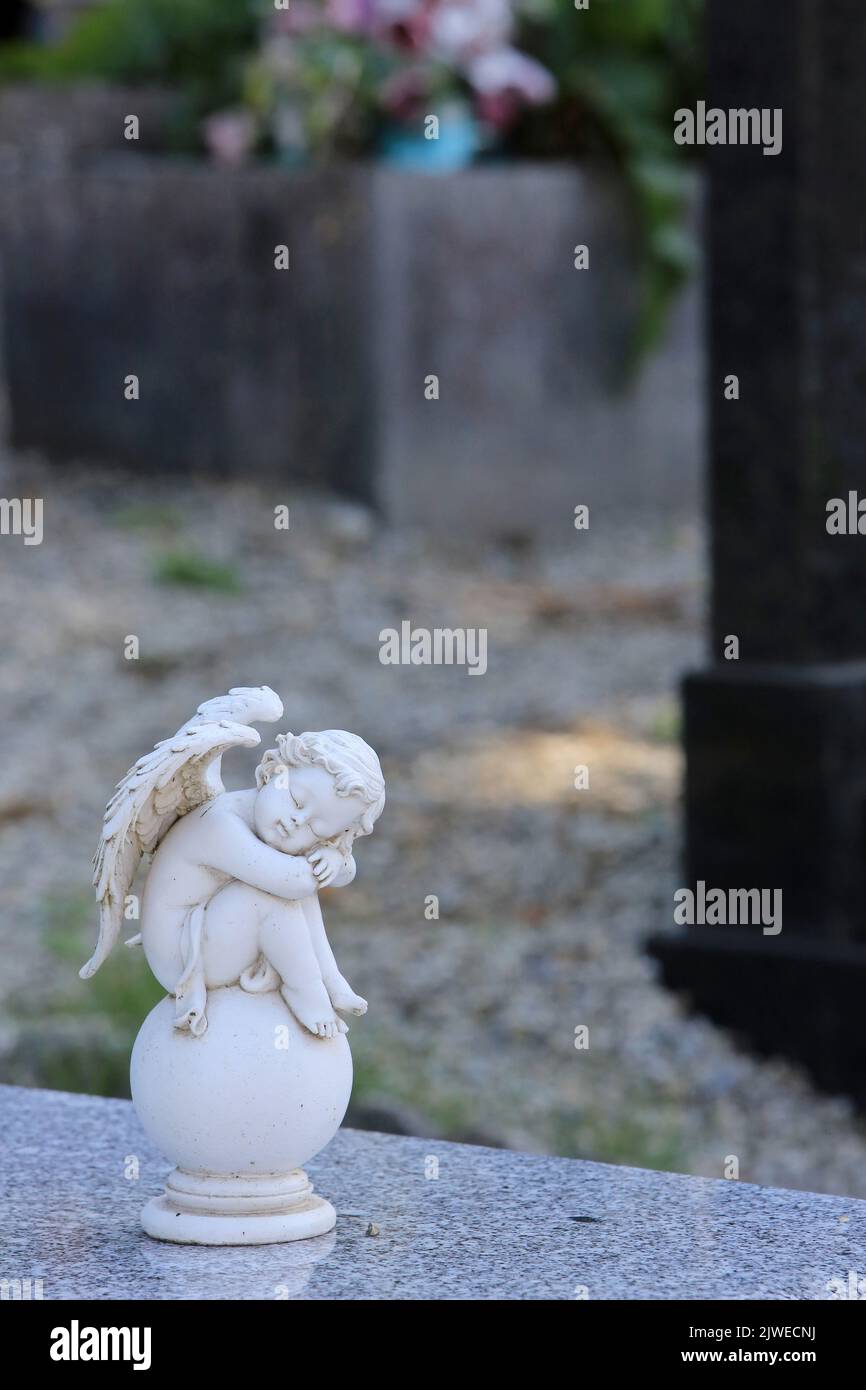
[[453, 1221]]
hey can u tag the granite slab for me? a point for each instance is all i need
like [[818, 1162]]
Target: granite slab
[[418, 1219]]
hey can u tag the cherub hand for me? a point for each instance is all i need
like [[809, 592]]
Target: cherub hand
[[326, 862]]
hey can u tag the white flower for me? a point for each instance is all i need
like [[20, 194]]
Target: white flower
[[507, 70], [461, 28]]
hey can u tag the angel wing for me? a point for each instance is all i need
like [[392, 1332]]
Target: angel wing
[[180, 774]]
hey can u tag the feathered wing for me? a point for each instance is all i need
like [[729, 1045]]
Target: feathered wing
[[179, 774]]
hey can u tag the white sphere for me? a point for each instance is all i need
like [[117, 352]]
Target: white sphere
[[255, 1094]]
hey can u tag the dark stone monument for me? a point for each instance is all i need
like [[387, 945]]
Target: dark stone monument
[[776, 741]]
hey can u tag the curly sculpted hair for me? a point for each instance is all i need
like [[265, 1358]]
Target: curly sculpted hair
[[351, 762]]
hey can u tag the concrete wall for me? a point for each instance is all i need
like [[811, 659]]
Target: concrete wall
[[117, 260], [165, 270], [476, 283]]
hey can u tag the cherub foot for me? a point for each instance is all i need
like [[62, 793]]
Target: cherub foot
[[312, 1007], [344, 997]]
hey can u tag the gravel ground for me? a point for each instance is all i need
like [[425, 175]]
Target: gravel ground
[[545, 893]]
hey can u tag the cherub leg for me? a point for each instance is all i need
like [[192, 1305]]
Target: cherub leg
[[244, 923], [340, 992], [231, 933], [218, 945], [285, 941]]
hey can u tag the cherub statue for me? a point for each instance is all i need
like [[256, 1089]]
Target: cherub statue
[[232, 892], [242, 1072]]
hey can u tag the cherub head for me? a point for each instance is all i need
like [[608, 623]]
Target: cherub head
[[318, 788]]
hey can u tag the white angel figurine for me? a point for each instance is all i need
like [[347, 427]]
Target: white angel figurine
[[231, 895], [231, 909]]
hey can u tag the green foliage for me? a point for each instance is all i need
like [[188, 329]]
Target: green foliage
[[623, 67], [123, 990], [386, 1069], [162, 41], [194, 571], [80, 1038], [648, 1134], [332, 85], [667, 722], [147, 516], [199, 47]]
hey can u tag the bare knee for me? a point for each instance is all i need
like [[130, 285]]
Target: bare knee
[[280, 912], [282, 921], [231, 933], [239, 902]]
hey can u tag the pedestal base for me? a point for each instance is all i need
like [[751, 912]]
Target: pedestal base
[[800, 998], [776, 788], [209, 1209]]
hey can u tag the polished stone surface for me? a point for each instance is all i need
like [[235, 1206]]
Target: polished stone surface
[[492, 1225]]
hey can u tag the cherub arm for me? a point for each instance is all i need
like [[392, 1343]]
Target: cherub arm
[[234, 849]]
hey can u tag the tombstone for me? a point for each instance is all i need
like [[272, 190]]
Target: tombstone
[[776, 741]]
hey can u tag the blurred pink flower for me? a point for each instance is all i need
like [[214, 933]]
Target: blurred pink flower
[[229, 136], [403, 93], [397, 11], [506, 71], [350, 16], [299, 18], [403, 23], [461, 28], [498, 110], [436, 46]]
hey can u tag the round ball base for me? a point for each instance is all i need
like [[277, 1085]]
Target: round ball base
[[212, 1210]]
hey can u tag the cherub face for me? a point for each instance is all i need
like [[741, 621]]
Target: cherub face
[[299, 808]]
